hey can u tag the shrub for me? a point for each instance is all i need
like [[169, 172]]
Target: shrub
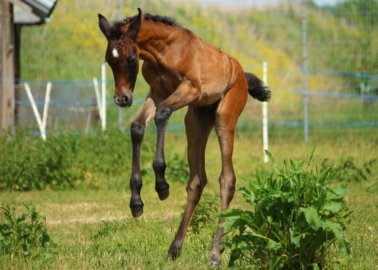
[[347, 170], [28, 163], [294, 217], [177, 169], [62, 161], [24, 234], [205, 213], [106, 153]]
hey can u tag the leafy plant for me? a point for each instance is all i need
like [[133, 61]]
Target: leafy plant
[[205, 213], [347, 170], [293, 218], [107, 227], [29, 163], [24, 234], [62, 161], [177, 169], [104, 153]]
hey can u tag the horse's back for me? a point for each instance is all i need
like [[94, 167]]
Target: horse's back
[[219, 72]]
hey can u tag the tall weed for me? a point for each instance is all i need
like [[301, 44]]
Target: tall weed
[[28, 163], [64, 161], [293, 218], [177, 169], [346, 170], [205, 213], [24, 234]]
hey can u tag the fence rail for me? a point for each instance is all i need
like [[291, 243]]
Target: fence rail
[[73, 108]]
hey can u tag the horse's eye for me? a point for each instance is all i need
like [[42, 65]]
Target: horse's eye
[[132, 61]]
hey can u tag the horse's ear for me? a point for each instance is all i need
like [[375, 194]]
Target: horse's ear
[[135, 25], [104, 26]]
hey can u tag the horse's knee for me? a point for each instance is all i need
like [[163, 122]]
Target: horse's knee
[[197, 184], [136, 183], [161, 185], [136, 203], [162, 115], [137, 132], [159, 166], [227, 183]]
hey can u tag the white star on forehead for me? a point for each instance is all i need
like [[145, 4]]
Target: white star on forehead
[[115, 53]]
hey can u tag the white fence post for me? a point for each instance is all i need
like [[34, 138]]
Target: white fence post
[[42, 122], [265, 115], [101, 97], [103, 92], [98, 97], [46, 106]]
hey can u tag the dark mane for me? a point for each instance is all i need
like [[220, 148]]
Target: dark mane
[[154, 18], [116, 32]]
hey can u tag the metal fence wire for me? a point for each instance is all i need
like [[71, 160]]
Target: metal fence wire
[[72, 106], [338, 94]]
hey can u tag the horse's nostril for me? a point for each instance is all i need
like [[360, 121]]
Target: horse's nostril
[[125, 99]]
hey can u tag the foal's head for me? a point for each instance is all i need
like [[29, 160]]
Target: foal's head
[[122, 55]]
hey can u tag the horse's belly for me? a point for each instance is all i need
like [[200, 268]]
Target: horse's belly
[[210, 94]]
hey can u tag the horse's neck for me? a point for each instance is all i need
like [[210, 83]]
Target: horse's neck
[[154, 39]]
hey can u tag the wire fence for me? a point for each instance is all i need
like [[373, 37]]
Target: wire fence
[[347, 80], [341, 91], [73, 108]]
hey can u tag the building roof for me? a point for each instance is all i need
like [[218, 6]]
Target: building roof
[[32, 11]]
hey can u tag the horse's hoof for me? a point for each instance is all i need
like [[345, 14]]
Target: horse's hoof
[[173, 253], [163, 194], [162, 190], [136, 208], [215, 261], [137, 211]]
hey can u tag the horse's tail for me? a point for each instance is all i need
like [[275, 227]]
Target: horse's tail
[[256, 87]]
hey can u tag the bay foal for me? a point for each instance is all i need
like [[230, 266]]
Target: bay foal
[[181, 70]]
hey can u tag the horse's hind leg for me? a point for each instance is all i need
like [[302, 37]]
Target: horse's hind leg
[[199, 122], [227, 114]]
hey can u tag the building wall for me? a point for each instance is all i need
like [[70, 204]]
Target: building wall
[[7, 50]]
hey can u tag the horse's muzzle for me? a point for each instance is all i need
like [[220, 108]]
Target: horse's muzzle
[[123, 101]]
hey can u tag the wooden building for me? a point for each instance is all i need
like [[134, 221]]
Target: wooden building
[[14, 14]]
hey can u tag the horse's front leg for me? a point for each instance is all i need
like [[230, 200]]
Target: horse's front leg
[[161, 186], [137, 134]]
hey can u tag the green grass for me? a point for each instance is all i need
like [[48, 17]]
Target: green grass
[[93, 228], [91, 225]]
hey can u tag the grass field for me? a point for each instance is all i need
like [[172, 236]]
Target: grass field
[[92, 228]]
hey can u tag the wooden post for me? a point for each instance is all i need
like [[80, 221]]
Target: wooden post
[[17, 72], [6, 66]]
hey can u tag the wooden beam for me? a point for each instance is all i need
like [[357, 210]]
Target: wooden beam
[[6, 66]]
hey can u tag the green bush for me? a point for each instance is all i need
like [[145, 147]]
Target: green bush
[[347, 170], [107, 153], [24, 234], [177, 169], [63, 161], [205, 213], [294, 217], [28, 163]]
